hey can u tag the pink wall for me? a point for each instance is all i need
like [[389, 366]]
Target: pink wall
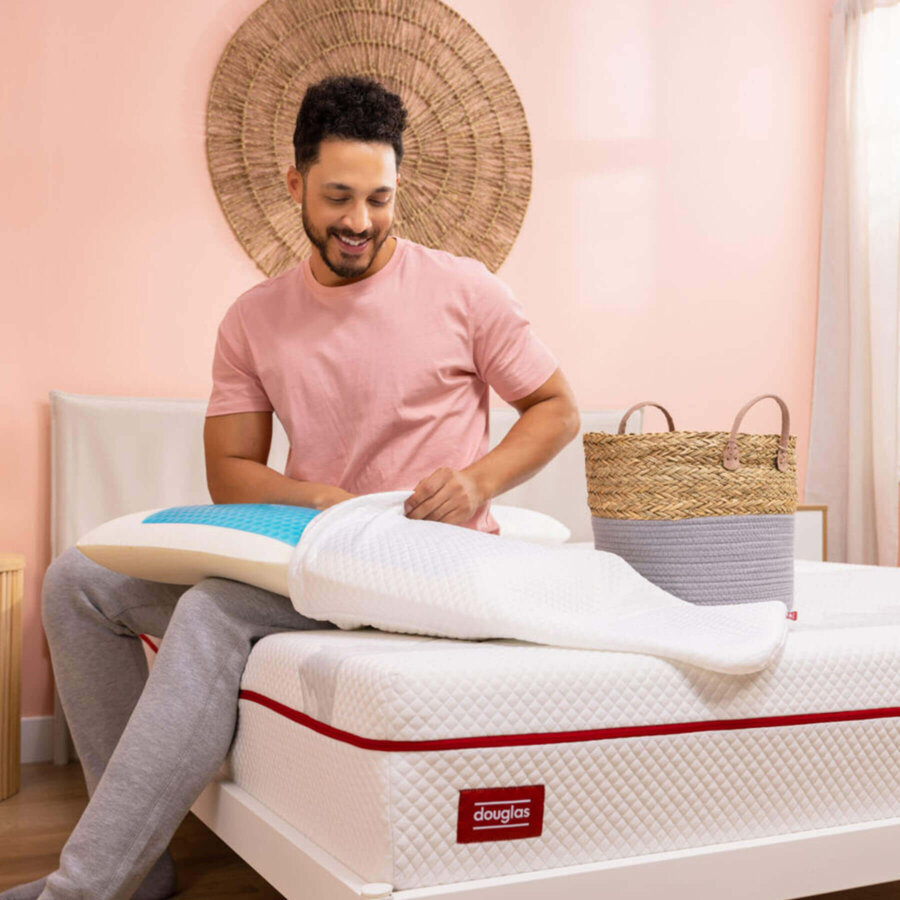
[[669, 250]]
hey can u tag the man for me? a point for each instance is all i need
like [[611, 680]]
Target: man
[[376, 353]]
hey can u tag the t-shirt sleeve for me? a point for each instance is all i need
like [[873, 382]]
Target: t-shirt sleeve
[[508, 355], [236, 385]]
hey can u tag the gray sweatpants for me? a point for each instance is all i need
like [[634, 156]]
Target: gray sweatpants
[[148, 746]]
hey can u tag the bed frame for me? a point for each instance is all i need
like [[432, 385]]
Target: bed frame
[[115, 455]]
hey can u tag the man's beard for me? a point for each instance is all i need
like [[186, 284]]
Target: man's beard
[[347, 267]]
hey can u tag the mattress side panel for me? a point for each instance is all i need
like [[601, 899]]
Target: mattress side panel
[[613, 799], [377, 686], [334, 793]]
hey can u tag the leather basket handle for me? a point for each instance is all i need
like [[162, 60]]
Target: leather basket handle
[[731, 458], [638, 406]]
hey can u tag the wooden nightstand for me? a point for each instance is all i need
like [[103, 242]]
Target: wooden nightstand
[[12, 577]]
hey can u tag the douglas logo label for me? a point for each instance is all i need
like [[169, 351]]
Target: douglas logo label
[[503, 814], [500, 814]]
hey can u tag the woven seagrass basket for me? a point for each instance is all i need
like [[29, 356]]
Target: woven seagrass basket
[[706, 515]]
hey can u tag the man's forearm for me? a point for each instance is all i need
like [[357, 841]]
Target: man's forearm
[[538, 435], [240, 480]]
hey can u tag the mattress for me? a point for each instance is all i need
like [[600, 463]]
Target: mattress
[[421, 761]]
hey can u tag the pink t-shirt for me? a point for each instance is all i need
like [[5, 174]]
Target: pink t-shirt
[[380, 382]]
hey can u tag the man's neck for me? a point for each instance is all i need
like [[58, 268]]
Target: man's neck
[[327, 278]]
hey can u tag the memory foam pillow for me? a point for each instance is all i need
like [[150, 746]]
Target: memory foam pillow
[[249, 542]]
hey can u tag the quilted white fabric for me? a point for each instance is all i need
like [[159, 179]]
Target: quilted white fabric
[[391, 816], [363, 562], [845, 595], [407, 688]]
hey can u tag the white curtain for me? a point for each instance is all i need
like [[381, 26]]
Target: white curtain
[[853, 453]]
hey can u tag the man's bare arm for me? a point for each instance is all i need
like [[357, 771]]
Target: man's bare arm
[[548, 420], [237, 449]]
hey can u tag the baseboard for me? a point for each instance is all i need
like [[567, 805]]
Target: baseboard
[[36, 739]]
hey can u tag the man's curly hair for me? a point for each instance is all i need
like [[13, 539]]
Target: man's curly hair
[[350, 107]]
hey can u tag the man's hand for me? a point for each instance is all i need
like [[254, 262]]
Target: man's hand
[[445, 496]]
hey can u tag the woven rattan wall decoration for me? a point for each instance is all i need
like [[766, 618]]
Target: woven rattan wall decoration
[[467, 153]]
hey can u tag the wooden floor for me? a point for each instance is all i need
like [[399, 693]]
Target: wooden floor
[[35, 823]]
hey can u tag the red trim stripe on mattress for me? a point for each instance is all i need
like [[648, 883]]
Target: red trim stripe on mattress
[[558, 737], [562, 737]]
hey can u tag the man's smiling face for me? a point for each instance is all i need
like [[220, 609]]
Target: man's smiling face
[[348, 194]]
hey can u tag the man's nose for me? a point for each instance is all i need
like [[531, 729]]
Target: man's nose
[[358, 220]]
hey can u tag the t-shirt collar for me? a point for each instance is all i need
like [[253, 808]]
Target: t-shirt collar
[[357, 288]]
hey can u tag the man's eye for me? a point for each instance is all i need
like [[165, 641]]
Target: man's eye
[[343, 199]]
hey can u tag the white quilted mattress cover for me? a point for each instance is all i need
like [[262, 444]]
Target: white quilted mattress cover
[[368, 742]]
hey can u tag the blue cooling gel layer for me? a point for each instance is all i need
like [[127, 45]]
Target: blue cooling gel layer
[[275, 520]]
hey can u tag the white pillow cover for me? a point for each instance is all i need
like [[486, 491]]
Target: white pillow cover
[[529, 525], [249, 542]]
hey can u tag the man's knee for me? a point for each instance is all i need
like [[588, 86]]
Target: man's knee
[[222, 605], [206, 618], [59, 578], [70, 572], [208, 599]]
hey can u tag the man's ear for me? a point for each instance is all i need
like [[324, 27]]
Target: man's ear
[[290, 177]]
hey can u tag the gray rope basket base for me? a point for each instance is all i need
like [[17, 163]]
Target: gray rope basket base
[[708, 561]]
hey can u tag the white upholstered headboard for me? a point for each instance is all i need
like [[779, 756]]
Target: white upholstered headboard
[[117, 455]]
